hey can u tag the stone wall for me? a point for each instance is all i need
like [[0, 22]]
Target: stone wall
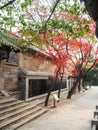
[[29, 61], [9, 71], [9, 76]]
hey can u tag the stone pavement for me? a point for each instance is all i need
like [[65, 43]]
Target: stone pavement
[[74, 114]]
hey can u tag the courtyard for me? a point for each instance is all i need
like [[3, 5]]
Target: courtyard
[[75, 114]]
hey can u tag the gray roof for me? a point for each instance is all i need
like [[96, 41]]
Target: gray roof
[[7, 38], [37, 73]]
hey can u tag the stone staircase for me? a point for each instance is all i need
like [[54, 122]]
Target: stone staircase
[[15, 113], [94, 121]]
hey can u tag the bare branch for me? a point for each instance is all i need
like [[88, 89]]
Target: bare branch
[[52, 12], [7, 4]]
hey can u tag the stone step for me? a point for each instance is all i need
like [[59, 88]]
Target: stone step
[[7, 100], [96, 114], [10, 104], [16, 112], [93, 127], [18, 118], [94, 123], [2, 97], [37, 102], [26, 120], [14, 108], [96, 107]]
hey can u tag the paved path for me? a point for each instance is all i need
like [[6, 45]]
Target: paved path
[[71, 115]]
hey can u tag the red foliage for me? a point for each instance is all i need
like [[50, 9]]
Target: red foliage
[[72, 17], [43, 36], [92, 28], [58, 39], [65, 53], [97, 61], [93, 66]]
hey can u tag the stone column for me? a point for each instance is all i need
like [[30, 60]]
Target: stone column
[[1, 76], [1, 83], [67, 85], [70, 83], [26, 88]]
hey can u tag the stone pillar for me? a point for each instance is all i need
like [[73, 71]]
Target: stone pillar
[[1, 83], [67, 85], [70, 83], [1, 76], [81, 83], [26, 89]]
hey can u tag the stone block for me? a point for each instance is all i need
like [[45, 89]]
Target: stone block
[[1, 83], [8, 80]]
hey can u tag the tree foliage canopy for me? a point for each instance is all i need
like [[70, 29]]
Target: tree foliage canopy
[[61, 28]]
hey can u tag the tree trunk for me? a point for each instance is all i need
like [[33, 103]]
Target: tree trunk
[[59, 92], [50, 88], [79, 87], [47, 98], [60, 87], [73, 88], [49, 92]]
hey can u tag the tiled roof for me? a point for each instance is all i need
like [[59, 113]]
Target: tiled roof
[[37, 73], [7, 38]]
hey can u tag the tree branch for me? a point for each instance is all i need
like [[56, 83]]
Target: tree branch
[[57, 2], [7, 4], [53, 10]]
